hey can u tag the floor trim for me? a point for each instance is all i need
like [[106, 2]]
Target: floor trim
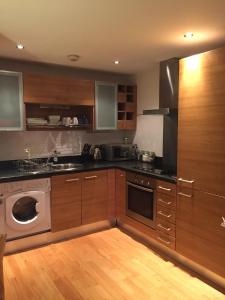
[[41, 239], [195, 269]]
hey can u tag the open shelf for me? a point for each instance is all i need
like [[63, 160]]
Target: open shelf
[[127, 106], [84, 114]]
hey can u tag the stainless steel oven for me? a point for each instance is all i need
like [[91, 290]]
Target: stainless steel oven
[[140, 200]]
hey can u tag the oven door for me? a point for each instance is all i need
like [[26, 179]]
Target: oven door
[[140, 204]]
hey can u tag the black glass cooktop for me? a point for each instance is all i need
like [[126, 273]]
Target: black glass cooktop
[[151, 170]]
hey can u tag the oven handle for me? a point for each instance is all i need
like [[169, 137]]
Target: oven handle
[[140, 187]]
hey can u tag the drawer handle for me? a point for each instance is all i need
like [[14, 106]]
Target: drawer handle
[[91, 177], [164, 241], [164, 215], [72, 179], [184, 195], [164, 189], [165, 228], [185, 180], [165, 202], [121, 175]]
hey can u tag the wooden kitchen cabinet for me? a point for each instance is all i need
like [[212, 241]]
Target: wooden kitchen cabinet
[[166, 213], [94, 196], [201, 122], [2, 246], [49, 89], [120, 193], [199, 230], [66, 201], [201, 160]]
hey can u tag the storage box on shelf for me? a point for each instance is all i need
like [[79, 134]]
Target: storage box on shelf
[[127, 106], [166, 213]]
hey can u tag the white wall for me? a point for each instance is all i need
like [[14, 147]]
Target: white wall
[[43, 143], [149, 133]]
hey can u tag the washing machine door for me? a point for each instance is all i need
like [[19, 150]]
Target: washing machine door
[[25, 210]]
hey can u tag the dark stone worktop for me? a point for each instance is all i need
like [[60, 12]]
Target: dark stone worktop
[[8, 171]]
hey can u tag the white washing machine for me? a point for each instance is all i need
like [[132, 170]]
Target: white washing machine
[[27, 207]]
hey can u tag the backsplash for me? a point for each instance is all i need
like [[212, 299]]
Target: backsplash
[[43, 143]]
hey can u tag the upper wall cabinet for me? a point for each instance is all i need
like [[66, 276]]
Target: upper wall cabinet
[[11, 101], [106, 105], [47, 89]]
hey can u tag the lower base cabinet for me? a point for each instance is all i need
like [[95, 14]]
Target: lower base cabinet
[[66, 192], [2, 246], [94, 197], [80, 198], [200, 230], [120, 193]]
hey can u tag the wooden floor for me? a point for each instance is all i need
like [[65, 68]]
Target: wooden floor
[[104, 265]]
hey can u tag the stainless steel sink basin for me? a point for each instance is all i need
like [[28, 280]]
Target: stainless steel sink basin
[[67, 166]]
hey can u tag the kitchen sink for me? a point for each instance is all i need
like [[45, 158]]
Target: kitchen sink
[[66, 166]]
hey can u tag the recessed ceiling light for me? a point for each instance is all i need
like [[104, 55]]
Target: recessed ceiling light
[[188, 35], [73, 57], [116, 62], [20, 46]]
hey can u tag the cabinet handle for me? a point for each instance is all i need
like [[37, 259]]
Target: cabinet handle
[[223, 222], [185, 180], [164, 241], [165, 228], [164, 215], [72, 179], [184, 195], [165, 202], [163, 188], [91, 177]]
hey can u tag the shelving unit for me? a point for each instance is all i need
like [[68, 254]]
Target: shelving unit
[[44, 111], [127, 106]]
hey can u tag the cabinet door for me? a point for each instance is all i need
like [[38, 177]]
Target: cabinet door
[[200, 235], [120, 193], [66, 201], [2, 246], [94, 197], [106, 105], [11, 101], [46, 89], [201, 121]]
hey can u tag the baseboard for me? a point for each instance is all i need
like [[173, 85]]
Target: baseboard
[[45, 238], [195, 269]]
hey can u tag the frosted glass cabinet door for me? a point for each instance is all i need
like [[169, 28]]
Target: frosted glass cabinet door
[[106, 105], [11, 101]]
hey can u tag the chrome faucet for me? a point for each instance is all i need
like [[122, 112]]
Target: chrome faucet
[[54, 155]]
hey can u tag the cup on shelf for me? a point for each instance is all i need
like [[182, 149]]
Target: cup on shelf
[[67, 121], [75, 121]]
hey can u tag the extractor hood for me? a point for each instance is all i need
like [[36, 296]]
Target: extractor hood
[[168, 88]]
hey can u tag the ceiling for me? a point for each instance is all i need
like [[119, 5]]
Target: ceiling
[[137, 32]]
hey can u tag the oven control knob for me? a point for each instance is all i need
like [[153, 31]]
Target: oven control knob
[[148, 183], [142, 181]]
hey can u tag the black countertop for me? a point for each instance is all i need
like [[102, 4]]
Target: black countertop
[[8, 172]]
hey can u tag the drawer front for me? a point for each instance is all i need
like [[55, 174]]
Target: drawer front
[[166, 239], [167, 201], [166, 227], [166, 187], [166, 214]]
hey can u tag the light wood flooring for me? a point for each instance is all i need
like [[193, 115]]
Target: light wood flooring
[[103, 265]]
